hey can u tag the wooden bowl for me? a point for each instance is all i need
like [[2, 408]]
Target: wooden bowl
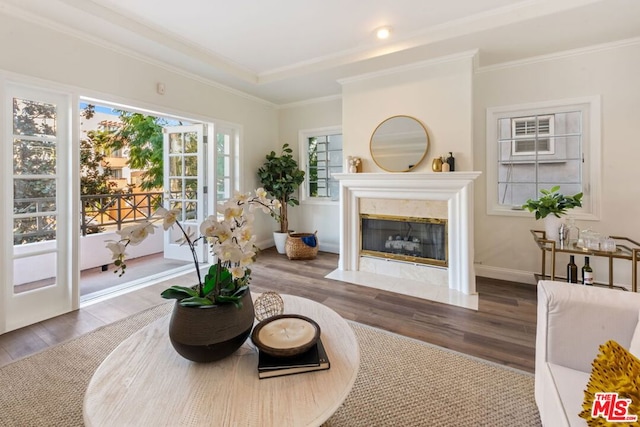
[[285, 335]]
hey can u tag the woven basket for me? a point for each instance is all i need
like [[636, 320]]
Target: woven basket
[[296, 248]]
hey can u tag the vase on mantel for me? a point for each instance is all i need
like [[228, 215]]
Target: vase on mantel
[[552, 224]]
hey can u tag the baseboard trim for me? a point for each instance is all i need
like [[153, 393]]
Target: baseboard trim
[[505, 274], [265, 244], [497, 273], [329, 247], [324, 247]]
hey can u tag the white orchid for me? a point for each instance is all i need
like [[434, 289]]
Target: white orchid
[[135, 234], [231, 240], [117, 250], [244, 235], [169, 217], [267, 205], [231, 210], [209, 226], [229, 253], [237, 272], [261, 193], [247, 258]]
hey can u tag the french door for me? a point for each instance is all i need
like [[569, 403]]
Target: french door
[[37, 220], [185, 154]]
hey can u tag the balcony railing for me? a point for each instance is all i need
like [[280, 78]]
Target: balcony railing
[[99, 211], [117, 209]]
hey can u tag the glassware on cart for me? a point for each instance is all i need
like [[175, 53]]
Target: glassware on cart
[[608, 245], [589, 240], [573, 232]]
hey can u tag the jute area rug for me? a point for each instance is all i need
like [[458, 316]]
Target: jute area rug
[[402, 382]]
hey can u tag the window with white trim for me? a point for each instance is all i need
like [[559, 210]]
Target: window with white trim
[[226, 161], [321, 156], [538, 146], [532, 135]]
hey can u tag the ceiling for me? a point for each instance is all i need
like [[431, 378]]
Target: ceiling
[[287, 51]]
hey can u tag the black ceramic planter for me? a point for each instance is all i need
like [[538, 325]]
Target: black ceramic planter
[[207, 334]]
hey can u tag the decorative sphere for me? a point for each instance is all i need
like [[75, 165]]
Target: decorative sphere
[[268, 304]]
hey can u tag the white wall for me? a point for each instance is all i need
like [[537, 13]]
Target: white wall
[[504, 247], [309, 216], [93, 244], [451, 100], [438, 93], [88, 70], [312, 216]]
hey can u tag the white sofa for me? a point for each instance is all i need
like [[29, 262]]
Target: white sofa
[[573, 321]]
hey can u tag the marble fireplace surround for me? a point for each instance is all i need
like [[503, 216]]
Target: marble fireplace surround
[[456, 284]]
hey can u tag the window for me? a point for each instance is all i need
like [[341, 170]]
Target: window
[[226, 159], [531, 134], [321, 156], [35, 170], [537, 146]]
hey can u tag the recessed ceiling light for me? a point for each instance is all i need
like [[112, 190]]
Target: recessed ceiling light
[[383, 33]]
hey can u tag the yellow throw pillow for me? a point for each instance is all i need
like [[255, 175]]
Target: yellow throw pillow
[[614, 388]]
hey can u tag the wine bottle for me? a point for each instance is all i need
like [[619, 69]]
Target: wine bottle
[[452, 162], [572, 270], [587, 273]]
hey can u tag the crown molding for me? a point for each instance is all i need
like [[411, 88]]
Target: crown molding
[[311, 101], [96, 41], [469, 54], [560, 55]]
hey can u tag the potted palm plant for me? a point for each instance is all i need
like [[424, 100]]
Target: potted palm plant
[[281, 177], [550, 206]]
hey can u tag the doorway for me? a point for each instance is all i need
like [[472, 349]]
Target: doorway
[[134, 162], [150, 160], [55, 180]]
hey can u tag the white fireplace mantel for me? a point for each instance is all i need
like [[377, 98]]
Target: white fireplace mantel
[[456, 188]]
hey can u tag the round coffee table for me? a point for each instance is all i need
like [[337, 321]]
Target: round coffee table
[[144, 382]]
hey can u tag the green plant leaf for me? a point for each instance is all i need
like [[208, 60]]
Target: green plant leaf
[[209, 284], [552, 202], [241, 290], [210, 280], [280, 177], [178, 292], [195, 302], [235, 300]]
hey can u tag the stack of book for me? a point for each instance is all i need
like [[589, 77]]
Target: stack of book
[[314, 359]]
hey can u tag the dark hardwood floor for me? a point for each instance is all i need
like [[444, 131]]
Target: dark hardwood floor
[[502, 330]]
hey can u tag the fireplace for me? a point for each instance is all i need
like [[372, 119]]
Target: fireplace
[[447, 197], [419, 240]]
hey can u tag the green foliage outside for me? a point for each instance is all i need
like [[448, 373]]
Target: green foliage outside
[[313, 167], [143, 135], [35, 157], [94, 179], [36, 154]]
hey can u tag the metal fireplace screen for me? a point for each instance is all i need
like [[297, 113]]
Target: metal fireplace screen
[[419, 240]]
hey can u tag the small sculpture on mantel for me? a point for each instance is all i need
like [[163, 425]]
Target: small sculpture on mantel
[[445, 165], [354, 163]]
